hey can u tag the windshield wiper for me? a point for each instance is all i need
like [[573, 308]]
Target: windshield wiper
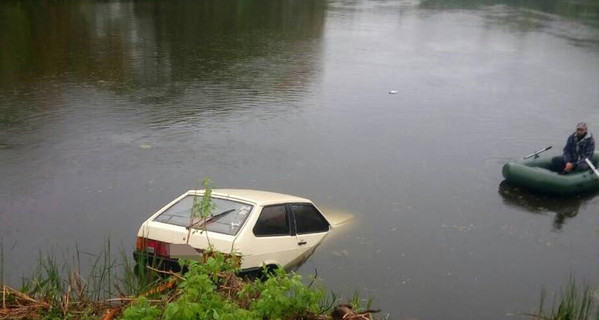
[[212, 217]]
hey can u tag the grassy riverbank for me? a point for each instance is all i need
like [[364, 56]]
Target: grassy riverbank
[[208, 290], [211, 289]]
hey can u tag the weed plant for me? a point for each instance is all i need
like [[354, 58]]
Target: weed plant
[[575, 302], [211, 290], [201, 209], [57, 290]]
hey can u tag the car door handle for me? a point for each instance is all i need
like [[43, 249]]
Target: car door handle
[[301, 243]]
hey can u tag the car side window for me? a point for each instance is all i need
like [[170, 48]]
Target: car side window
[[273, 221], [308, 219]]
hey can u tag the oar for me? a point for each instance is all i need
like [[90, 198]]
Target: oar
[[536, 154], [592, 166]]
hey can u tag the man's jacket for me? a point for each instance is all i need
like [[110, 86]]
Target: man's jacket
[[576, 150]]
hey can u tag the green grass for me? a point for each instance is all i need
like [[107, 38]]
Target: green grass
[[55, 289], [575, 302], [106, 276], [211, 290]]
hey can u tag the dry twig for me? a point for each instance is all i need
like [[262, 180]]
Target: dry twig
[[24, 306], [111, 313], [169, 272], [344, 311], [65, 302]]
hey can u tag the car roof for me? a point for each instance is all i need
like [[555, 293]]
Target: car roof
[[258, 197]]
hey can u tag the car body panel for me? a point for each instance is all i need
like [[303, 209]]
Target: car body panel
[[286, 250], [307, 243], [178, 235]]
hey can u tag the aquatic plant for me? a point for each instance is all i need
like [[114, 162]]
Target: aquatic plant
[[575, 302]]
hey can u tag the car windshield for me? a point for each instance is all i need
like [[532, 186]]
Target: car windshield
[[227, 217]]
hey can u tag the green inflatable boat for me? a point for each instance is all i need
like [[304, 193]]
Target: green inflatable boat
[[534, 174]]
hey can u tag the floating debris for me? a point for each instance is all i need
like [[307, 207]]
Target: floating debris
[[342, 253], [145, 146], [393, 92], [460, 227]]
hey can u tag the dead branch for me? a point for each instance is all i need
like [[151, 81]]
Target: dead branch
[[24, 296], [24, 306], [344, 311], [169, 272], [111, 313], [160, 288], [65, 301], [79, 284], [129, 300]]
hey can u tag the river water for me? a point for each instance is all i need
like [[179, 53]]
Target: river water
[[401, 113]]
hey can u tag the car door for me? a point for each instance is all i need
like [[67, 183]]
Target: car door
[[311, 228], [274, 240]]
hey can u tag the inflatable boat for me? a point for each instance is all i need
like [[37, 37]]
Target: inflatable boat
[[534, 173]]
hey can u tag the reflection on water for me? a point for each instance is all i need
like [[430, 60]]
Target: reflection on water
[[564, 208], [154, 53], [582, 11], [337, 217], [574, 21]]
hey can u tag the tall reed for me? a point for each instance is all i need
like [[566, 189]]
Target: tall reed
[[61, 285], [1, 265], [575, 302]]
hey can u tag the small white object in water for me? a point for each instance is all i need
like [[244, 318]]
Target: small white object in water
[[393, 92]]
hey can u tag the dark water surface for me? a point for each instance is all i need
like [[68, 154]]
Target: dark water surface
[[108, 110]]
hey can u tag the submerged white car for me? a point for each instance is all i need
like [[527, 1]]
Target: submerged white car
[[264, 228]]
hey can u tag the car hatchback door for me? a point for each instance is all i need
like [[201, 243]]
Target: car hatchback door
[[311, 228], [274, 241]]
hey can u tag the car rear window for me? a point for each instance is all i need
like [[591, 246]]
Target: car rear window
[[273, 221], [308, 219], [227, 217]]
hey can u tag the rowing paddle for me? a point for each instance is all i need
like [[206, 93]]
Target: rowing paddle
[[536, 154], [592, 166]]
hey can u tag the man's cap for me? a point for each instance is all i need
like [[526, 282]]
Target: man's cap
[[581, 125]]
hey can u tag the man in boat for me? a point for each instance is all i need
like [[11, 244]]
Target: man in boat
[[580, 145]]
